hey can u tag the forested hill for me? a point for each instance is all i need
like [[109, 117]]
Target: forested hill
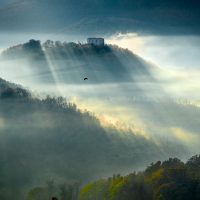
[[11, 90], [168, 180], [69, 61], [51, 139]]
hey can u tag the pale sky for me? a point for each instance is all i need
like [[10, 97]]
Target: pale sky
[[174, 52]]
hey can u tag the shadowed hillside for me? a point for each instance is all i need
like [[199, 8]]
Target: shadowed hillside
[[45, 139]]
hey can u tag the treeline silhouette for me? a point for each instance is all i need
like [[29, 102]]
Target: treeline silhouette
[[168, 180], [60, 50]]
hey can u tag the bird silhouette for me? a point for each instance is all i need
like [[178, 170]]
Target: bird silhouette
[[85, 79]]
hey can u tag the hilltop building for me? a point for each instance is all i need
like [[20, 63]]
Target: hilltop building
[[96, 41]]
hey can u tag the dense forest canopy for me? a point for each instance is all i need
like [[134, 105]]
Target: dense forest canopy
[[168, 180]]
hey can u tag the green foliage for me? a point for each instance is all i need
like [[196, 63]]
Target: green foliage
[[169, 180]]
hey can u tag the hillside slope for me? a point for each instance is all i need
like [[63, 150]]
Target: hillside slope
[[45, 139]]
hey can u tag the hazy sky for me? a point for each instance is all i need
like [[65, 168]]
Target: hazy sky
[[172, 17], [173, 52]]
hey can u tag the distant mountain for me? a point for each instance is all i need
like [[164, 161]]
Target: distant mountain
[[51, 139], [70, 62]]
